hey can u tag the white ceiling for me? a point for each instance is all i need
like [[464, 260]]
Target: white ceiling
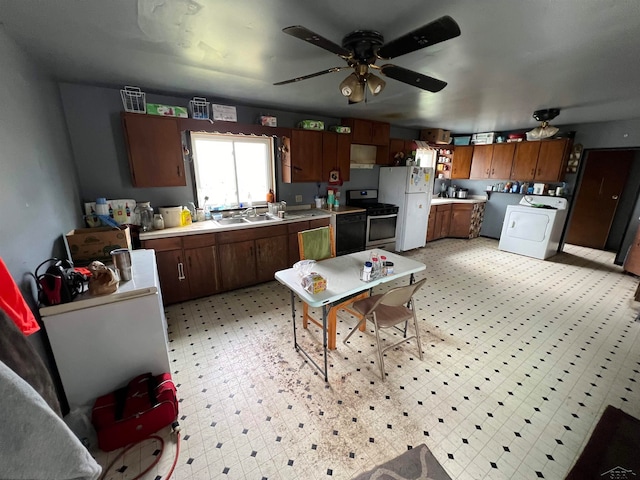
[[513, 56]]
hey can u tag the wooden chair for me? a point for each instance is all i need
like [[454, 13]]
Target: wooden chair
[[388, 310], [312, 249]]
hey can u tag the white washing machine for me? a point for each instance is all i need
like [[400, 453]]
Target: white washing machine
[[534, 226]]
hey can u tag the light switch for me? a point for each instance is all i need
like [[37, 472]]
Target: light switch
[[298, 198]]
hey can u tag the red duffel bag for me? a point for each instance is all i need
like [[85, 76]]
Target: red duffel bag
[[132, 413]]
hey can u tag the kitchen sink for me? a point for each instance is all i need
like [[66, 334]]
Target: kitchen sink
[[260, 218], [230, 221]]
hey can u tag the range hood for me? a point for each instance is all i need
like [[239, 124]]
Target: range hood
[[363, 156]]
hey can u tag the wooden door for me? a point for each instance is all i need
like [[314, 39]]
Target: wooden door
[[238, 262], [172, 275], [271, 255], [481, 161], [461, 162], [202, 270], [154, 145], [306, 156], [502, 160], [552, 160], [603, 180], [525, 159]]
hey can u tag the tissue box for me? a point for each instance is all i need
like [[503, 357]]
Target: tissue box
[[340, 129], [311, 125], [314, 283], [166, 110], [267, 121]]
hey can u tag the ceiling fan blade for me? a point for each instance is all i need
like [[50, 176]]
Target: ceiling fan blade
[[311, 75], [437, 31], [413, 78], [307, 35]]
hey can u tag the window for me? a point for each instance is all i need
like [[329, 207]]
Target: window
[[232, 169]]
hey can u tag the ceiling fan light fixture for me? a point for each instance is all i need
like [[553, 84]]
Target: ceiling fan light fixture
[[358, 93], [348, 85], [375, 84]]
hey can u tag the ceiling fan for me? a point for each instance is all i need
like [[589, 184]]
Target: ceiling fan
[[362, 48]]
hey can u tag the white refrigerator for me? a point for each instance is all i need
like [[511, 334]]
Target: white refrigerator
[[410, 188]]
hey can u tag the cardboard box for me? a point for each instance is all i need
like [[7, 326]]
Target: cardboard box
[[224, 113], [436, 135], [339, 129], [483, 138], [89, 244], [268, 121], [166, 110]]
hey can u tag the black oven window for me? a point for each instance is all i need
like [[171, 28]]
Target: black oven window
[[382, 228]]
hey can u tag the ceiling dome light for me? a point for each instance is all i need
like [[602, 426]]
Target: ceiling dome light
[[349, 85], [375, 84]]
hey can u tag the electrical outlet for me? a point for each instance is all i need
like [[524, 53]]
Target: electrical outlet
[[298, 198]]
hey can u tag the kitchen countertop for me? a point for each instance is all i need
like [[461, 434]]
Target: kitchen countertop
[[471, 199], [344, 209], [211, 226]]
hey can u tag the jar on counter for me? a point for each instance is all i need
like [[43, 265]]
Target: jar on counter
[[158, 222], [145, 215]]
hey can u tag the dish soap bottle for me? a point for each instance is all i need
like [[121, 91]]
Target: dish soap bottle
[[270, 196]]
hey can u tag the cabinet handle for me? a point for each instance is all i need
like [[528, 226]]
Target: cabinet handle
[[181, 271], [487, 171], [178, 170], [493, 170], [539, 171], [615, 197], [533, 172]]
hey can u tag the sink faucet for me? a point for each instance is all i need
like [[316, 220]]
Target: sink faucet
[[249, 212]]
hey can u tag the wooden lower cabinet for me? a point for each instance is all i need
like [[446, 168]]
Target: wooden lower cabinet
[[199, 265], [460, 220], [238, 262], [456, 220], [187, 266], [251, 256]]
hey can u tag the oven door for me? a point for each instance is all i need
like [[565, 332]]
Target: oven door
[[381, 230]]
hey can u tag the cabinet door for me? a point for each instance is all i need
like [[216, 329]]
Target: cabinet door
[[361, 131], [551, 160], [461, 220], [343, 154], [329, 151], [380, 133], [271, 256], [396, 145], [202, 270], [461, 162], [154, 145], [237, 264], [501, 160], [481, 161], [172, 274], [306, 156], [524, 160], [443, 221], [431, 224]]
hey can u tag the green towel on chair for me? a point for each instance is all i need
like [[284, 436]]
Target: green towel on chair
[[316, 243]]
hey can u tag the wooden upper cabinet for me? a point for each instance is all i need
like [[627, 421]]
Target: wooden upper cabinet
[[525, 160], [481, 161], [368, 132], [154, 145], [501, 160], [541, 161], [336, 154], [552, 159], [461, 162], [306, 156]]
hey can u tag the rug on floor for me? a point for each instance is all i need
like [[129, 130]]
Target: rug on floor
[[612, 450], [415, 464]]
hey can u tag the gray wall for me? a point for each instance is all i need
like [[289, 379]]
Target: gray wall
[[93, 118], [38, 182]]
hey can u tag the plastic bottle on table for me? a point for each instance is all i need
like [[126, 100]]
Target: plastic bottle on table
[[366, 271]]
